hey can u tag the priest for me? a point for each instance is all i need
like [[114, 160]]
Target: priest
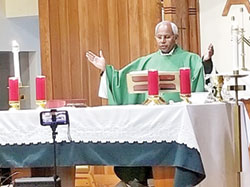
[[169, 57]]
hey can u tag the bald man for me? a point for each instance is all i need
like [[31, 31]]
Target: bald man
[[169, 57]]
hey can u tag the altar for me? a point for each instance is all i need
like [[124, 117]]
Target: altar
[[197, 139]]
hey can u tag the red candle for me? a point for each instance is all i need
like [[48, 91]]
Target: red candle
[[153, 82], [40, 88], [13, 89], [185, 84]]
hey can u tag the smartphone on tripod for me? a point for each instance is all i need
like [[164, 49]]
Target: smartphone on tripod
[[54, 117]]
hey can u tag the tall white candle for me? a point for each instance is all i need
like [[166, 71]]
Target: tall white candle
[[15, 51], [235, 48]]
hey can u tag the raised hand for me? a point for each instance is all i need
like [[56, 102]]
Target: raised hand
[[210, 52], [97, 61]]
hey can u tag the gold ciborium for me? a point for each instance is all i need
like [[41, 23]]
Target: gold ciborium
[[218, 81]]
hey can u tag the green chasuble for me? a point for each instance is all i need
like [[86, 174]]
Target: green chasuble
[[117, 83]]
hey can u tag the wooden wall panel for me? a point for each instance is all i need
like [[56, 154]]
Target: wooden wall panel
[[134, 39], [44, 22], [103, 29], [65, 50], [170, 12], [155, 12], [83, 36], [198, 36], [56, 57], [183, 23], [177, 11], [123, 14], [113, 19], [104, 33], [194, 26], [185, 14], [144, 14], [91, 40], [123, 30], [74, 51]]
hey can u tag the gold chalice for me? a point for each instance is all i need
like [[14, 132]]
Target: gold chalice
[[218, 81]]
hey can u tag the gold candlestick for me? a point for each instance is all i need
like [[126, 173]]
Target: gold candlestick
[[154, 100], [14, 105], [237, 124], [41, 103], [185, 98]]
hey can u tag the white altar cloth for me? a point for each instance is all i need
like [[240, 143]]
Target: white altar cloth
[[131, 123], [208, 127]]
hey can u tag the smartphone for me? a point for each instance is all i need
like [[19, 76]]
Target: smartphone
[[54, 117]]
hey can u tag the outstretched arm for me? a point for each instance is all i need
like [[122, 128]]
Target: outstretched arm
[[97, 61]]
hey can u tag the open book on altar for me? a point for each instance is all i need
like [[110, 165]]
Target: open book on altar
[[169, 81]]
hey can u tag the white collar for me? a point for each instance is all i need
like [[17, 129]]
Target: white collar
[[168, 54]]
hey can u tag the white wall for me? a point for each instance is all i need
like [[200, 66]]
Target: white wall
[[216, 29], [25, 30], [17, 8]]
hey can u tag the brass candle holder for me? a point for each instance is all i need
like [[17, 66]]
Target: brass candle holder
[[41, 103], [154, 100], [185, 98], [14, 105], [17, 103]]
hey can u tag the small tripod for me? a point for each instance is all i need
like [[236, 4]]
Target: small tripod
[[54, 133], [53, 118]]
